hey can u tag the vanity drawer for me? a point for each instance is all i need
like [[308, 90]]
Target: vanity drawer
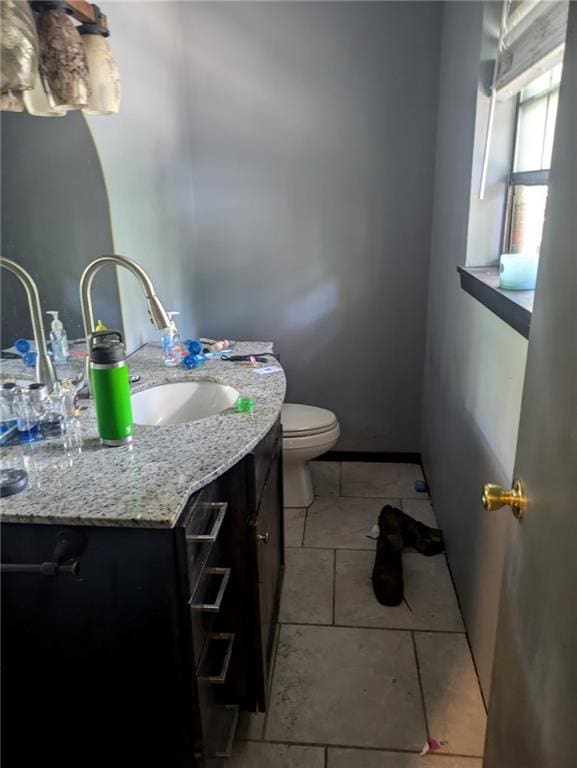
[[218, 717], [206, 602], [202, 532], [219, 723]]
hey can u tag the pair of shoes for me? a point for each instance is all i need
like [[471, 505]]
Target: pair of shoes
[[396, 531]]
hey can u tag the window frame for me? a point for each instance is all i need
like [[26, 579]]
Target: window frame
[[537, 177]]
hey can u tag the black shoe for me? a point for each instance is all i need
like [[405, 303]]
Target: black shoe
[[428, 541], [388, 568]]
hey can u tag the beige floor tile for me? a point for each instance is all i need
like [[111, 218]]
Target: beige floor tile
[[453, 700], [343, 523], [365, 758], [335, 685], [253, 754], [250, 726], [294, 526], [326, 477], [382, 480], [307, 596], [421, 510], [428, 591]]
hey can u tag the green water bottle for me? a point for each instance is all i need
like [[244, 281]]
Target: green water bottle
[[110, 387]]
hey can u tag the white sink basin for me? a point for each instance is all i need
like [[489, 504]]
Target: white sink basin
[[181, 402]]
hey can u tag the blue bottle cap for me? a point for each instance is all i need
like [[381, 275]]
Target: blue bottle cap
[[29, 359], [22, 346], [194, 346], [193, 361]]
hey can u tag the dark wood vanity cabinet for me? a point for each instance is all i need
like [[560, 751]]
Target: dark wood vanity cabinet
[[266, 544], [148, 654]]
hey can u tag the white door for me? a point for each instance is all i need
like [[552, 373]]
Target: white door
[[533, 706]]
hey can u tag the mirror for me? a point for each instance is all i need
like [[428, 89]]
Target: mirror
[[55, 220]]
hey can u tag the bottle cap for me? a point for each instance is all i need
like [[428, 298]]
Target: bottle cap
[[12, 481], [106, 347], [56, 324], [194, 346], [37, 392], [22, 346], [29, 359]]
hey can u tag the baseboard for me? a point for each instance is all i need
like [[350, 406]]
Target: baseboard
[[376, 456]]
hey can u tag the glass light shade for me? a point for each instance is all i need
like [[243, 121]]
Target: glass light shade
[[37, 104], [18, 49], [103, 76], [63, 66]]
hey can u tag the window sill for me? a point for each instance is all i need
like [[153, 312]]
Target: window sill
[[513, 307]]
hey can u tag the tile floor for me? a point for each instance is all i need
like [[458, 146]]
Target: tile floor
[[357, 684]]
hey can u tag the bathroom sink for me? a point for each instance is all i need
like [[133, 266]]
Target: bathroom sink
[[181, 402]]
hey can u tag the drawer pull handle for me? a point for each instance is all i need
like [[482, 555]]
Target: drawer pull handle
[[42, 569], [227, 751], [221, 677], [204, 538], [213, 607], [264, 537]]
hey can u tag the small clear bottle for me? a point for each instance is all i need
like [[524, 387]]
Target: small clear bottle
[[8, 420], [71, 404], [26, 418], [58, 339], [52, 422], [171, 349]]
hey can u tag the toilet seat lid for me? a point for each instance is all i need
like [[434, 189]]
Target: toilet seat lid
[[306, 419]]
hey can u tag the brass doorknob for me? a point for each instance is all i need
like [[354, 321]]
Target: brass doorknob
[[495, 497]]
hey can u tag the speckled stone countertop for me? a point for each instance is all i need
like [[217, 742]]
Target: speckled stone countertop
[[148, 483]]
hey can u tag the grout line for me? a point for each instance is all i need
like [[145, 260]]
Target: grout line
[[305, 526], [420, 497], [326, 757], [420, 685], [321, 549], [360, 748], [334, 585], [340, 549], [380, 629]]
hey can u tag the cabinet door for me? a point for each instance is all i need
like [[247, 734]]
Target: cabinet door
[[266, 534]]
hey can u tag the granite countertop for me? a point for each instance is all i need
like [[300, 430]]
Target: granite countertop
[[148, 483]]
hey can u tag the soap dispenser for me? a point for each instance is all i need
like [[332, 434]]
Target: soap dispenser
[[59, 339], [171, 348]]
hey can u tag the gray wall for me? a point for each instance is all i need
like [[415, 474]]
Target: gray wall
[[474, 362], [55, 220], [312, 152], [272, 166]]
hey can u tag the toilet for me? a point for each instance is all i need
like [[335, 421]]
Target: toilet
[[307, 432]]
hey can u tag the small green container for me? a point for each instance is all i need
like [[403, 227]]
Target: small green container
[[110, 387]]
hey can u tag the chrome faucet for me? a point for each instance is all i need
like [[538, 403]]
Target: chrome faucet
[[156, 311], [45, 373]]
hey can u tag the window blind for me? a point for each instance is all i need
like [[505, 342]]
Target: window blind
[[533, 40]]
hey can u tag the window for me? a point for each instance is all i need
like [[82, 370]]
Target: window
[[528, 184]]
